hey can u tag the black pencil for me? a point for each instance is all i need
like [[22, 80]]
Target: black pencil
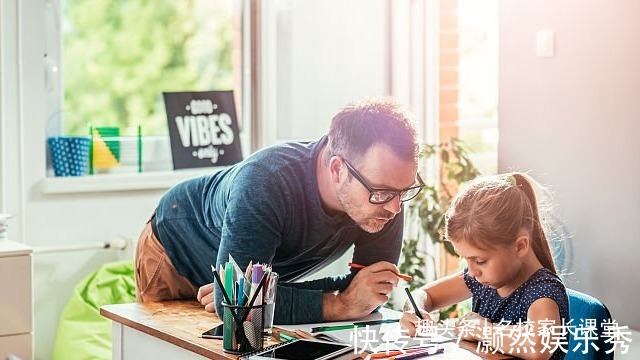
[[413, 302], [217, 277]]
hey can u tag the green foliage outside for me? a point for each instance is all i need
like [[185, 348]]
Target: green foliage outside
[[119, 56], [433, 202]]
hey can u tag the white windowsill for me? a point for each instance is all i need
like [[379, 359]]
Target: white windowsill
[[121, 182]]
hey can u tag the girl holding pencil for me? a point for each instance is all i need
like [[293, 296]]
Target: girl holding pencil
[[494, 224]]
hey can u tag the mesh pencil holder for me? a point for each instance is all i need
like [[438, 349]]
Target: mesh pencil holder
[[69, 155], [243, 327]]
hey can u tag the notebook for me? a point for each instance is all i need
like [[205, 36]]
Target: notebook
[[382, 337], [300, 349]]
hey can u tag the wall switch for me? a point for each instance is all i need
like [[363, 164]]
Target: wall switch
[[545, 43]]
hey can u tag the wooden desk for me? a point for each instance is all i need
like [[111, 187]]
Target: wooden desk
[[162, 330], [171, 330]]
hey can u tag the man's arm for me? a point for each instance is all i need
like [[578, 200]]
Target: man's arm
[[252, 223], [370, 288], [259, 207], [364, 290]]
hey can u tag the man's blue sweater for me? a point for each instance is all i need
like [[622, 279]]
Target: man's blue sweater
[[268, 209]]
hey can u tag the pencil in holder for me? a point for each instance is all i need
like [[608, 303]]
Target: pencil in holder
[[242, 329]]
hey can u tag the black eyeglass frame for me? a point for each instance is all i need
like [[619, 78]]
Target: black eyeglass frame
[[372, 190]]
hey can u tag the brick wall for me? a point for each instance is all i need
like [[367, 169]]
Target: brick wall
[[449, 91], [449, 55]]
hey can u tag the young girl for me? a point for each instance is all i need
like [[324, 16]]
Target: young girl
[[495, 225]]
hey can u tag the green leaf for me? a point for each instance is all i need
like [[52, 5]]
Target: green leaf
[[119, 56]]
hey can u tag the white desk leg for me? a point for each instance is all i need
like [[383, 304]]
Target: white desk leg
[[116, 341]]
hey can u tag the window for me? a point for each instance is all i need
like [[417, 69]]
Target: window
[[469, 86], [469, 78], [118, 57], [478, 81]]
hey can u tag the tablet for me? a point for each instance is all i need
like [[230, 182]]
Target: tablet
[[301, 349], [215, 333]]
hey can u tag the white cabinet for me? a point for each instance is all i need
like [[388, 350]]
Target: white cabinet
[[15, 300]]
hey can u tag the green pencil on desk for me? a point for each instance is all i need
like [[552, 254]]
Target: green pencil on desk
[[285, 337], [350, 326]]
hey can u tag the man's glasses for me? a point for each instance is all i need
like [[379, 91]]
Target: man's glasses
[[381, 196]]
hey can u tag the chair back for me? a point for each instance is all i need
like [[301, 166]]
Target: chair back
[[581, 308]]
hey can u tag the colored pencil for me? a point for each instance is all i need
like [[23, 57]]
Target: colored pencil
[[401, 276]]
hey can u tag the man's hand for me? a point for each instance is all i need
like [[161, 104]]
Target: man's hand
[[370, 288], [206, 297]]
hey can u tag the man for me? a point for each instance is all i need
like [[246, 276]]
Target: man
[[296, 206]]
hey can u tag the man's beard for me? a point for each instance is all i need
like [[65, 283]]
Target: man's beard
[[368, 223]]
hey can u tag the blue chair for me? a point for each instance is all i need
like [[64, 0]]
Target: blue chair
[[583, 306]]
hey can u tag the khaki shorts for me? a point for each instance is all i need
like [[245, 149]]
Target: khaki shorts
[[156, 278]]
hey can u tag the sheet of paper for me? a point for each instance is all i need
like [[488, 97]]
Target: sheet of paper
[[383, 314], [373, 338]]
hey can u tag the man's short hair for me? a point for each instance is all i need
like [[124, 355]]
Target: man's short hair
[[358, 126]]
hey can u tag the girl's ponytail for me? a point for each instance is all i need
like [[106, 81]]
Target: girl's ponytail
[[539, 241]]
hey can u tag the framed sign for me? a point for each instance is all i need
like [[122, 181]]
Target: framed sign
[[203, 129]]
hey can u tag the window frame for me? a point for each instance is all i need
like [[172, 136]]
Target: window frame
[[54, 91]]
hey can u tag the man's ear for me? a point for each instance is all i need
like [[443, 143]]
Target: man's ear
[[335, 169]]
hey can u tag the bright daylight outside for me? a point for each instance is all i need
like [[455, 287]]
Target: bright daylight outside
[[119, 56]]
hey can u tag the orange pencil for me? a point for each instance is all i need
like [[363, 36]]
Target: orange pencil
[[384, 354], [401, 276]]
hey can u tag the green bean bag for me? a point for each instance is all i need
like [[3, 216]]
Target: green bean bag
[[82, 332]]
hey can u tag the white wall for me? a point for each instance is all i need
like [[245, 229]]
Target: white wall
[[68, 220], [320, 55], [573, 120]]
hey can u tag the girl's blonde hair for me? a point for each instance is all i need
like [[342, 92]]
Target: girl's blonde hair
[[493, 210]]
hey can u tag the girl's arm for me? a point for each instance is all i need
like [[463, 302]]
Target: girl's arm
[[445, 292], [441, 293], [524, 341]]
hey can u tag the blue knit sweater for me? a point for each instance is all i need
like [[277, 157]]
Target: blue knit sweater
[[267, 209]]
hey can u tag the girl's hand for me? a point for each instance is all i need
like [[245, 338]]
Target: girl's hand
[[472, 327], [410, 321]]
